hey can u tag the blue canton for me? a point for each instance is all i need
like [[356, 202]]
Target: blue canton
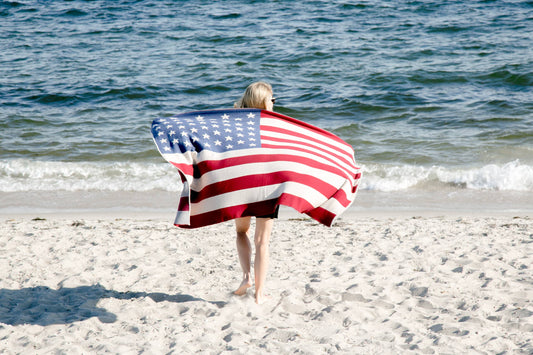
[[218, 131]]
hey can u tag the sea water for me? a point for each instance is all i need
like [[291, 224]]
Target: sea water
[[435, 96]]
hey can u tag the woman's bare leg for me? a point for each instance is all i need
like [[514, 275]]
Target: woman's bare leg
[[263, 229], [244, 250]]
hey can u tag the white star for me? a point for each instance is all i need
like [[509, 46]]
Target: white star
[[251, 133], [194, 139], [207, 145], [229, 146], [194, 130], [240, 135], [187, 144], [227, 130], [169, 126], [164, 140], [160, 133], [225, 116], [167, 149], [206, 136], [239, 129], [185, 134], [238, 119], [217, 142], [181, 127], [240, 141], [199, 118], [251, 115], [172, 133], [214, 125], [251, 139], [252, 144], [205, 127], [216, 133], [228, 138], [175, 141], [250, 122]]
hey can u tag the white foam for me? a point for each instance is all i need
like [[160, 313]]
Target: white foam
[[26, 175], [512, 176]]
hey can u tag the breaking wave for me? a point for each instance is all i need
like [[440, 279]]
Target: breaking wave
[[21, 175]]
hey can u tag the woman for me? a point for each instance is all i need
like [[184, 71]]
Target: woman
[[256, 95]]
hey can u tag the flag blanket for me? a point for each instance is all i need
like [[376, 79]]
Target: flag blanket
[[246, 162]]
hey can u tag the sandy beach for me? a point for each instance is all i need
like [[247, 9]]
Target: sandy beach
[[371, 284], [434, 256]]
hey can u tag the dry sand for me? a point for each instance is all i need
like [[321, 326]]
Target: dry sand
[[369, 285]]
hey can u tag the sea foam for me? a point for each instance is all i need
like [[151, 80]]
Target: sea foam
[[25, 175], [512, 176]]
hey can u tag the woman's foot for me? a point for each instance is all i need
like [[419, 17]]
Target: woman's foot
[[245, 285], [262, 298]]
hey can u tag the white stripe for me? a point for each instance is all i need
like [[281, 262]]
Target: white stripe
[[183, 217]]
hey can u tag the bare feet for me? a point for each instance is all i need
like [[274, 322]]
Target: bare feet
[[245, 285], [260, 299]]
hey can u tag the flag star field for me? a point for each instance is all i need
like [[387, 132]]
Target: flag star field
[[214, 131]]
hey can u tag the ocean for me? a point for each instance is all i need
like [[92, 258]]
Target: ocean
[[435, 96]]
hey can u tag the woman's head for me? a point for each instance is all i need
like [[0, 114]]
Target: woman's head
[[257, 95]]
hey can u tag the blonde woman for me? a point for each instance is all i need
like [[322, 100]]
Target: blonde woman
[[256, 95]]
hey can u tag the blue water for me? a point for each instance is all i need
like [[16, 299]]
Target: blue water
[[431, 94]]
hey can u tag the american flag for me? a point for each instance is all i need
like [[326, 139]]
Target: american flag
[[246, 162]]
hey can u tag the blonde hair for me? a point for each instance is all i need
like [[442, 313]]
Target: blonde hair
[[255, 96]]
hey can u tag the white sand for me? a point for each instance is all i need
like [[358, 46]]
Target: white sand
[[368, 285]]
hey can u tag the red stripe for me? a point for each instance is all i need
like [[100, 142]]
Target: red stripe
[[322, 215], [183, 204], [298, 203], [258, 180], [187, 169]]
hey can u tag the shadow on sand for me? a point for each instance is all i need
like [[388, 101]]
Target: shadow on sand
[[44, 306]]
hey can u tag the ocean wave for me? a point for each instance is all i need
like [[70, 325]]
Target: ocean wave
[[512, 176], [26, 175]]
